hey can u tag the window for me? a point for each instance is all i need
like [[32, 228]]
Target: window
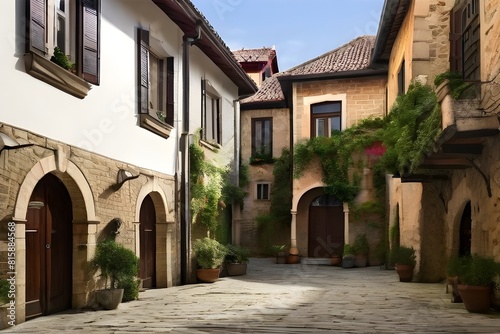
[[156, 75], [401, 79], [262, 139], [263, 191], [71, 25], [325, 118], [211, 113], [465, 39]]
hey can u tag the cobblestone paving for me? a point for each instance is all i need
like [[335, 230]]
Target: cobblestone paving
[[276, 298]]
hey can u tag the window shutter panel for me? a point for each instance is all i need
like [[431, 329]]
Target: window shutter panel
[[36, 21], [143, 70], [456, 39], [170, 91], [89, 40], [203, 109]]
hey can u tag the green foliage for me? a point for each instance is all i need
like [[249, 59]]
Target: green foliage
[[349, 249], [207, 182], [261, 158], [412, 127], [456, 83], [457, 265], [209, 253], [115, 262], [61, 59], [360, 245], [278, 249], [341, 171], [4, 291], [281, 190], [130, 286], [478, 270], [403, 255], [232, 193], [236, 254]]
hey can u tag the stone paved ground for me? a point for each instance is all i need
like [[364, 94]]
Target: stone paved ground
[[276, 298]]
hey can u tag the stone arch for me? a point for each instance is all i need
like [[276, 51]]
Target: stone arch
[[297, 197], [73, 179], [164, 222]]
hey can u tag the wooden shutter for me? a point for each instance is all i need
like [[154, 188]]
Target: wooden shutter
[[170, 91], [203, 109], [456, 39], [89, 44], [36, 26], [143, 70]]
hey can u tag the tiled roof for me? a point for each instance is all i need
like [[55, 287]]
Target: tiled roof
[[254, 55], [269, 91], [352, 56]]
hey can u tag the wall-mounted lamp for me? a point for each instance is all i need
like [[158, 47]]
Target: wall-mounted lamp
[[117, 223], [124, 176], [7, 143]]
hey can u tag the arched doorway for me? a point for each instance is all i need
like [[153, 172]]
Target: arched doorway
[[49, 236], [326, 226], [147, 236], [465, 231]]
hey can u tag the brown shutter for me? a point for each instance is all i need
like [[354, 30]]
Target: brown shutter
[[203, 109], [456, 39], [90, 35], [170, 91], [36, 26], [143, 70]]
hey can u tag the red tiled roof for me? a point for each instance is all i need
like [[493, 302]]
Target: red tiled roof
[[352, 56], [254, 55]]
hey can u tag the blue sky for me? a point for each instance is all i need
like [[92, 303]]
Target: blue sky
[[299, 29]]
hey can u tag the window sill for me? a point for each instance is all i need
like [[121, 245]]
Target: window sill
[[54, 75], [211, 146], [150, 123]]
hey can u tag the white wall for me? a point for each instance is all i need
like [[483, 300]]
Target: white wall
[[105, 122]]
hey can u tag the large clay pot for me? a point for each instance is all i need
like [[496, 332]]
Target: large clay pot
[[207, 275], [109, 299], [335, 260], [405, 272], [236, 269], [292, 259], [476, 299], [360, 261]]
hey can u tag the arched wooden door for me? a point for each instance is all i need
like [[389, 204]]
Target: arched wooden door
[[49, 235], [147, 235], [326, 226], [465, 231]]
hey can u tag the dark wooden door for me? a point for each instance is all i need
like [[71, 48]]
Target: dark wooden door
[[326, 227], [465, 231], [147, 231], [49, 249]]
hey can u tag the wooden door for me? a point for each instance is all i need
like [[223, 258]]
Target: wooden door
[[147, 232], [49, 249], [465, 231], [326, 227]]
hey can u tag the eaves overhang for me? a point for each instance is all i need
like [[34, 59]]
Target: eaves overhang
[[185, 15], [392, 17], [333, 75]]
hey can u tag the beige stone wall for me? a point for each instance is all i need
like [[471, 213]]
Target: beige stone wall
[[89, 179], [260, 173]]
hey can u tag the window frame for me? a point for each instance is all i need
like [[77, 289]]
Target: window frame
[[148, 116], [83, 38], [210, 94], [328, 116], [260, 192], [255, 150]]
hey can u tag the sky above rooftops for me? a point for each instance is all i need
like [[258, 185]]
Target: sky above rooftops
[[300, 30]]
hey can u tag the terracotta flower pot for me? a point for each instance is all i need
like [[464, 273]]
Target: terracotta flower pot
[[476, 298], [335, 260], [207, 275], [236, 269], [405, 272]]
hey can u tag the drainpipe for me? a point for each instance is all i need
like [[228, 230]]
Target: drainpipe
[[184, 147]]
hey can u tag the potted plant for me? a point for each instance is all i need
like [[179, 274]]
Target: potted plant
[[209, 255], [116, 264], [236, 260], [348, 259], [455, 269], [361, 249], [336, 257], [405, 260], [477, 281], [280, 253]]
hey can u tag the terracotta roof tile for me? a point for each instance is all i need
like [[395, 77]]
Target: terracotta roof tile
[[254, 55], [352, 56]]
